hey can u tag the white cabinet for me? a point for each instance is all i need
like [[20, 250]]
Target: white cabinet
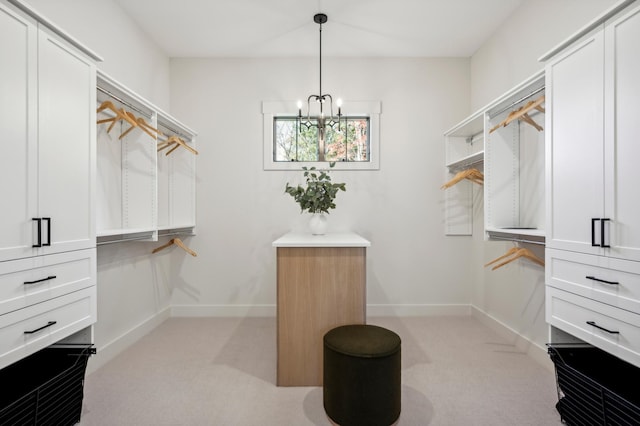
[[622, 135], [616, 331], [44, 299], [47, 175], [47, 182], [575, 178], [18, 110], [66, 144], [593, 234], [593, 149]]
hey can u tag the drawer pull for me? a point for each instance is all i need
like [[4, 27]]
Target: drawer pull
[[593, 323], [50, 277], [49, 324], [602, 281]]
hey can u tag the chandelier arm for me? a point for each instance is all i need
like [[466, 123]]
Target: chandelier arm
[[309, 106], [330, 103]]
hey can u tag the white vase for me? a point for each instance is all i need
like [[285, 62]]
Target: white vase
[[318, 224]]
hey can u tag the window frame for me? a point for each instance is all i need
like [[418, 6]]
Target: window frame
[[272, 109]]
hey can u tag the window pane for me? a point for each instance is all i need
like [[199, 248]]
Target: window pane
[[296, 142], [358, 139], [285, 140], [335, 147], [308, 143]]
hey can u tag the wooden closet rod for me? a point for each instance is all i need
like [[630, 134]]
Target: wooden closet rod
[[538, 90], [123, 102]]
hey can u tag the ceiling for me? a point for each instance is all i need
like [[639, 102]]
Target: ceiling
[[268, 28]]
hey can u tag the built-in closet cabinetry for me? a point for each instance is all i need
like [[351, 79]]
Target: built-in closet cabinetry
[[508, 150], [176, 180], [593, 238], [514, 164], [464, 145], [126, 184], [47, 178], [142, 192]]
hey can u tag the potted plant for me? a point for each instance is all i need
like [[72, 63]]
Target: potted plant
[[317, 197]]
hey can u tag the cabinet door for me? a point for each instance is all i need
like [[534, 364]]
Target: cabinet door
[[622, 135], [18, 83], [66, 143], [574, 120]]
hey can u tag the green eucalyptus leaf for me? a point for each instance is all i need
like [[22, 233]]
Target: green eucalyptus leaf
[[319, 193]]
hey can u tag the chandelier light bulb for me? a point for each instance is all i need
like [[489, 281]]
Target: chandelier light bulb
[[299, 104]]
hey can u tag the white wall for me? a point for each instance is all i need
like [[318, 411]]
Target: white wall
[[134, 288], [412, 267], [130, 56], [511, 53], [513, 296]]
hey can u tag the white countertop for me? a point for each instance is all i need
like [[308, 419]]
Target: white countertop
[[341, 239]]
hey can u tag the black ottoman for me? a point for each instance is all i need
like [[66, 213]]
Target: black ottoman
[[361, 375]]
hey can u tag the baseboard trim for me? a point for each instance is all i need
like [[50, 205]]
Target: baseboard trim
[[532, 349], [108, 351], [270, 310], [406, 310], [233, 311]]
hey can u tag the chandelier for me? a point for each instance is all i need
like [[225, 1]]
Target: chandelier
[[321, 121]]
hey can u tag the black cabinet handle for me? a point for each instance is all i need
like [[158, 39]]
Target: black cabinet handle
[[49, 324], [593, 323], [602, 281], [48, 220], [37, 219], [593, 232], [602, 222], [50, 277]]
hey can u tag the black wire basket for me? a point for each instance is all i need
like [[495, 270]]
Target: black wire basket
[[595, 387], [45, 388]]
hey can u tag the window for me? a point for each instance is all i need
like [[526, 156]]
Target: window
[[293, 141], [289, 144]]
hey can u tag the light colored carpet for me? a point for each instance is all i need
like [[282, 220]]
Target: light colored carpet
[[222, 371]]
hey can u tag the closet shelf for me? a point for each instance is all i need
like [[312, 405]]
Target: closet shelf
[[123, 231], [176, 230], [523, 235], [469, 160], [124, 235]]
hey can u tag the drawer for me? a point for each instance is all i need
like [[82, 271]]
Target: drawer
[[30, 329], [612, 281], [33, 280], [614, 330]]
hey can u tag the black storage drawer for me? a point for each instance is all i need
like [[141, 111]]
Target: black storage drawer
[[595, 387], [45, 388]]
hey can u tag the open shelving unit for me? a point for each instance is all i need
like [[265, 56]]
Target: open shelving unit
[[142, 193], [464, 148], [511, 156]]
